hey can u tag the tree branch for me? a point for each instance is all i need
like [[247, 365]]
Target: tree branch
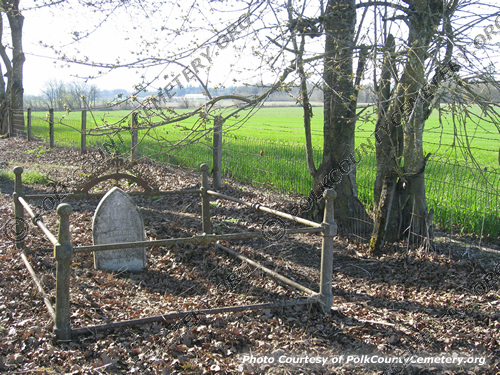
[[385, 3]]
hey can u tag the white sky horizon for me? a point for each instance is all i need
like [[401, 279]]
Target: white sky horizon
[[110, 42], [117, 40]]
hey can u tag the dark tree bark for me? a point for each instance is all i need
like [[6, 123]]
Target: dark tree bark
[[389, 146], [16, 20], [14, 67], [401, 204], [337, 168], [4, 99]]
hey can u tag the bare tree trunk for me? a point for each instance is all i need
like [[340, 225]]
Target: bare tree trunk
[[400, 198], [389, 147], [4, 119], [15, 91], [338, 165], [4, 99]]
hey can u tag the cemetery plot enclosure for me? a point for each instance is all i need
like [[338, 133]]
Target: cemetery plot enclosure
[[64, 251]]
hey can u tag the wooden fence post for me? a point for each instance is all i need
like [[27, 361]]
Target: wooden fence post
[[329, 231], [217, 154], [83, 138], [17, 116], [29, 124], [20, 228], [133, 137], [63, 251], [205, 200], [51, 127]]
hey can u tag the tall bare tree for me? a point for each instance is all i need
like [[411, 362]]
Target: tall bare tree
[[13, 95], [424, 62], [82, 94], [302, 43], [54, 92], [340, 90]]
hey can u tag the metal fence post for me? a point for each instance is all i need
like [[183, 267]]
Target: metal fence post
[[133, 137], [205, 200], [29, 124], [51, 127], [217, 154], [19, 209], [63, 252], [329, 231], [83, 138]]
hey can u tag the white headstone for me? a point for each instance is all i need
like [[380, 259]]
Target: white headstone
[[117, 219]]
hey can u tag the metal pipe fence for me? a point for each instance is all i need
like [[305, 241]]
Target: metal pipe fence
[[64, 251]]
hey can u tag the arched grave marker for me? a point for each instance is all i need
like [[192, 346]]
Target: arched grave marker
[[117, 219]]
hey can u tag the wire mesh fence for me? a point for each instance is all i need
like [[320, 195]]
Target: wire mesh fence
[[465, 199], [277, 164], [67, 131]]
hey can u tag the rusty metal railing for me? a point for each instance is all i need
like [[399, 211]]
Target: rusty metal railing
[[64, 251]]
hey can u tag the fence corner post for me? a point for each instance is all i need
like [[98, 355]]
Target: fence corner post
[[28, 124], [329, 231], [51, 127], [20, 229], [205, 200], [217, 154], [133, 137], [83, 136], [63, 251]]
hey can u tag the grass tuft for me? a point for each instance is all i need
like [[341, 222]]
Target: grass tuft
[[29, 177]]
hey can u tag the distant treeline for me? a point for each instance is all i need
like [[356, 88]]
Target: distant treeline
[[78, 95]]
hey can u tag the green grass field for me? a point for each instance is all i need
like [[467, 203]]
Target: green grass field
[[285, 124], [460, 194]]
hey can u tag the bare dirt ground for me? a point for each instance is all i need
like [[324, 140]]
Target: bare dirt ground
[[410, 302]]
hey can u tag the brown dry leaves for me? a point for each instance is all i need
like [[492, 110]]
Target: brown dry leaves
[[381, 305]]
